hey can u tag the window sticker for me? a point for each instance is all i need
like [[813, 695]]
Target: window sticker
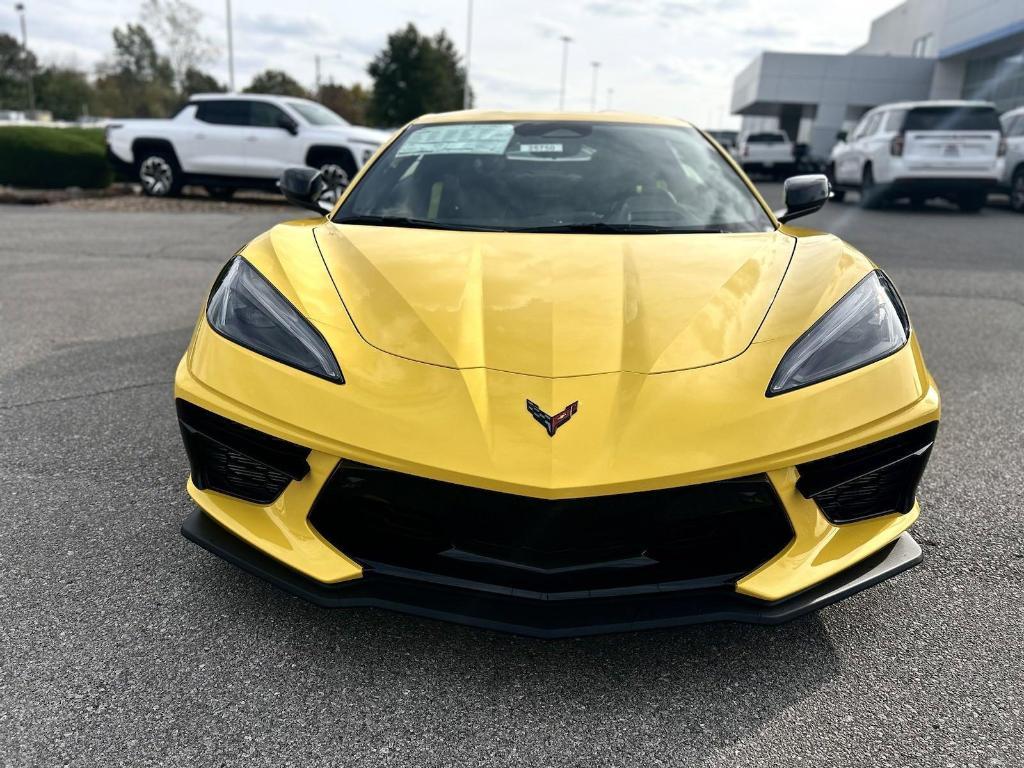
[[477, 139], [540, 147]]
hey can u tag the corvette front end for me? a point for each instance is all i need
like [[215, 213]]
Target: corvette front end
[[558, 434]]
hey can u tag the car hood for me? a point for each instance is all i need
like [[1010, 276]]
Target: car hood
[[555, 305], [352, 133]]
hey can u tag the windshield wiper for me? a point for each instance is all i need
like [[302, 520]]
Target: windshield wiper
[[405, 221], [604, 228]]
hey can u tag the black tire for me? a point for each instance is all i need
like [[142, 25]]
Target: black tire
[[221, 193], [1017, 191], [871, 197], [918, 202], [838, 195], [972, 202], [159, 174]]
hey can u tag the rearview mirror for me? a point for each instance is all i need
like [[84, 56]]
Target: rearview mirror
[[288, 124], [841, 136], [804, 195], [304, 187]]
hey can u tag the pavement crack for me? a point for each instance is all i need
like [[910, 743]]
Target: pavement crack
[[45, 401]]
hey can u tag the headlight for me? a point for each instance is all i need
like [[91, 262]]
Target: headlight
[[867, 324], [247, 309]]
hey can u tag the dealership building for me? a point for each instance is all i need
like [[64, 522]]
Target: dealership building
[[921, 49]]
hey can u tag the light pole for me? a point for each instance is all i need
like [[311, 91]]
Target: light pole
[[469, 48], [593, 86], [231, 51], [611, 92], [565, 66], [20, 9]]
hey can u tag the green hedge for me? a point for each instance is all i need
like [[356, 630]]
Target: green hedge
[[53, 158]]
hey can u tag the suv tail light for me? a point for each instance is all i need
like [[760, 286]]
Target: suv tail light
[[896, 145], [1001, 152]]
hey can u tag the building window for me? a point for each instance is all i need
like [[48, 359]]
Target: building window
[[999, 79], [923, 47]]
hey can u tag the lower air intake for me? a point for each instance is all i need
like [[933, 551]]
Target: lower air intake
[[707, 534], [876, 479], [234, 459]]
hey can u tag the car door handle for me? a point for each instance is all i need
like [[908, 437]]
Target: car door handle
[[251, 138], [200, 136]]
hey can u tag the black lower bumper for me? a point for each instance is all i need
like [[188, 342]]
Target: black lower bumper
[[508, 612], [940, 186]]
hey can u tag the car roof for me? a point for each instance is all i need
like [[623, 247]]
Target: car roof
[[937, 103], [499, 116], [233, 96]]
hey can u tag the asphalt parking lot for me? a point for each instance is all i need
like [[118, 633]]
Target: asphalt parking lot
[[124, 644]]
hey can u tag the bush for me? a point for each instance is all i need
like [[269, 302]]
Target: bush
[[53, 158]]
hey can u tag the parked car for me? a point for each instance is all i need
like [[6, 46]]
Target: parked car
[[226, 142], [919, 150], [769, 152], [1013, 176], [728, 140]]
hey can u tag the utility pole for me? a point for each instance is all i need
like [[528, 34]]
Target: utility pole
[[316, 59], [469, 49], [593, 86], [20, 9], [565, 67], [231, 51]]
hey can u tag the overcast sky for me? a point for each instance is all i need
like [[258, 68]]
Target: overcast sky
[[674, 57]]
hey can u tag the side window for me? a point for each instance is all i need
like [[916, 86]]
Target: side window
[[872, 127], [223, 112], [894, 121], [264, 115], [1016, 128], [862, 127]]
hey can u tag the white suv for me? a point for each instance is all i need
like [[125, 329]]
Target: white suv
[[230, 141], [1013, 176], [922, 149]]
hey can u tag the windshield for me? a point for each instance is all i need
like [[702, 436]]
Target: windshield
[[952, 119], [555, 176], [316, 114]]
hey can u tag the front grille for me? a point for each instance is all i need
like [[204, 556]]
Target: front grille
[[876, 479], [710, 533], [231, 458]]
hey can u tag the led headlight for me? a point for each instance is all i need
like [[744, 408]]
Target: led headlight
[[867, 324], [247, 309]]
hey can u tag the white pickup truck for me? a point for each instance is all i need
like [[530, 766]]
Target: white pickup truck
[[226, 142], [769, 152]]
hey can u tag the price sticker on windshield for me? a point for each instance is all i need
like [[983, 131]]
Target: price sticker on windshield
[[472, 139]]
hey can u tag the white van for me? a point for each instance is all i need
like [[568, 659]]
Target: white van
[[922, 149]]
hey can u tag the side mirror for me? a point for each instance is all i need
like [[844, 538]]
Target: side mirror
[[841, 136], [288, 124], [304, 187], [804, 195]]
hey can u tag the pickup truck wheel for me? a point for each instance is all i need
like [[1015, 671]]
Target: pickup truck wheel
[[337, 179], [159, 176], [1017, 191]]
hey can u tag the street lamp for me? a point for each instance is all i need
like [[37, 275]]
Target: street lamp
[[565, 66], [593, 86], [19, 8], [611, 92], [231, 51], [469, 47]]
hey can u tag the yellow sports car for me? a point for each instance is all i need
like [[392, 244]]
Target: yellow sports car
[[556, 374]]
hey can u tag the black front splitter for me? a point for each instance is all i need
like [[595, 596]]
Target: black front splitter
[[554, 618]]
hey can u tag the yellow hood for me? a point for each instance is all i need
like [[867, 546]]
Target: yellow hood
[[556, 305]]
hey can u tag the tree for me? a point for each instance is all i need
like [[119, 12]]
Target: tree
[[136, 81], [197, 81], [64, 91], [176, 24], [415, 74], [351, 103], [276, 82], [16, 65]]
